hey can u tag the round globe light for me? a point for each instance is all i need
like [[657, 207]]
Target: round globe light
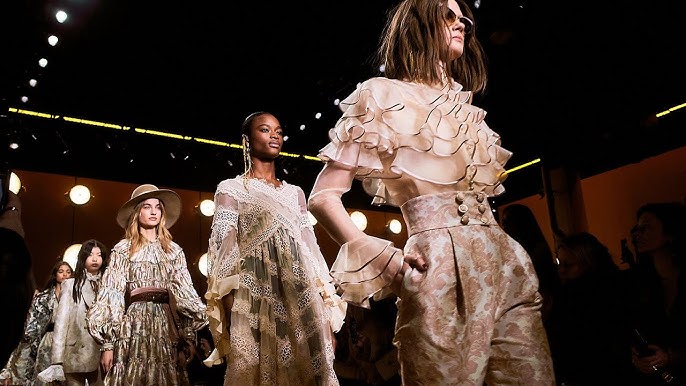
[[79, 194], [202, 264], [359, 219], [395, 226], [71, 255], [207, 208]]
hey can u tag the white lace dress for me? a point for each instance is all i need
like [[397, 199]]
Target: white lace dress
[[263, 248]]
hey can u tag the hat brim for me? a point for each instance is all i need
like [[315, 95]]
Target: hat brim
[[171, 201]]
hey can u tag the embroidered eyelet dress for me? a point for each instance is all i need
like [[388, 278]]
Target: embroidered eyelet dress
[[262, 248]]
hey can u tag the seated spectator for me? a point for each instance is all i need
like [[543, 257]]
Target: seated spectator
[[519, 222], [200, 374]]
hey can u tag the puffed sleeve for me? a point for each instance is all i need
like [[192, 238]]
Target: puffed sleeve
[[222, 277], [105, 317], [39, 317], [62, 314], [188, 301]]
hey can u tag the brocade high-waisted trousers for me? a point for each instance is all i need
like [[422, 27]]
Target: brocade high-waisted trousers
[[474, 315]]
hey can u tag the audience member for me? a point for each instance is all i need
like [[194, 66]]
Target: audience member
[[519, 222], [660, 309], [589, 319], [200, 374], [365, 354]]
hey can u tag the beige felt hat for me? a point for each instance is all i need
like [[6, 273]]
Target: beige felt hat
[[171, 201]]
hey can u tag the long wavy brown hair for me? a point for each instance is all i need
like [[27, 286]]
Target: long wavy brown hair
[[414, 42]]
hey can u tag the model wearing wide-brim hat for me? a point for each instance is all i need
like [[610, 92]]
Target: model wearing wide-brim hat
[[171, 201]]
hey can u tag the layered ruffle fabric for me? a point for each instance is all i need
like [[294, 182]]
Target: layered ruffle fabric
[[262, 249], [394, 130]]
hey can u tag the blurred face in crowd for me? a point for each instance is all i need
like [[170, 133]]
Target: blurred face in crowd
[[63, 273], [649, 235], [570, 266]]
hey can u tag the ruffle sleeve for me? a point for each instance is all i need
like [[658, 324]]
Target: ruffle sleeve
[[62, 314], [365, 268], [391, 128], [223, 256]]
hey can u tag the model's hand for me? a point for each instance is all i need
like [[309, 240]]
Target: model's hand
[[416, 261], [106, 359], [410, 261]]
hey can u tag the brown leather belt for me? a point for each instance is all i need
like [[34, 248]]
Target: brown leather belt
[[160, 296], [156, 295]]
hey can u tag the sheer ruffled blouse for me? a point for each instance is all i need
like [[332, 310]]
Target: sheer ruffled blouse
[[416, 140], [404, 140]]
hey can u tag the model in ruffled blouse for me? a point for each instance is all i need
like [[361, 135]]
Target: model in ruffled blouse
[[146, 301], [469, 309], [272, 305], [75, 355], [32, 355]]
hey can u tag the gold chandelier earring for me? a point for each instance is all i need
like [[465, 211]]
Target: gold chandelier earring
[[247, 163]]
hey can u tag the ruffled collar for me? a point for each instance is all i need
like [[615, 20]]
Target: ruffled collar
[[92, 277]]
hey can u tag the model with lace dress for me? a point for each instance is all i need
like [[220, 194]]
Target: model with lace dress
[[469, 311], [272, 307]]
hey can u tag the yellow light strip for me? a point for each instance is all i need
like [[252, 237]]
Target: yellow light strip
[[209, 141], [522, 166], [162, 134], [216, 143], [96, 123], [671, 110], [32, 113]]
